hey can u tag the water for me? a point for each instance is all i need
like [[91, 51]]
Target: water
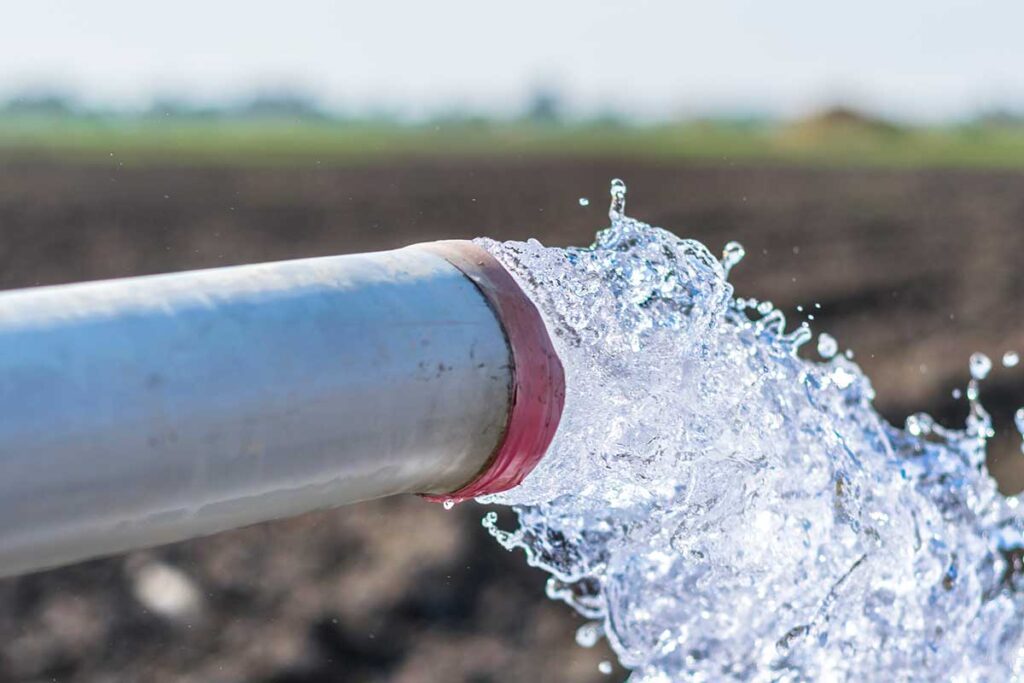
[[980, 365], [1018, 419], [828, 347], [722, 509]]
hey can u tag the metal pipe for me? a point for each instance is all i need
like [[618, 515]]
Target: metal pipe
[[149, 410]]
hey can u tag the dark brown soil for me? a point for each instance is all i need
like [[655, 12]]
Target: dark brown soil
[[914, 270]]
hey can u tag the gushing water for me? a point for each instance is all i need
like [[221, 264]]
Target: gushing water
[[725, 510]]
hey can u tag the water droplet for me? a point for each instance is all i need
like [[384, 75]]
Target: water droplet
[[1011, 359], [448, 504], [732, 254], [1018, 420], [980, 365], [617, 208], [912, 426], [827, 345], [584, 201], [588, 634], [920, 423]]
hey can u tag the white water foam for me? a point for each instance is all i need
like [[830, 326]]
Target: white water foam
[[725, 510]]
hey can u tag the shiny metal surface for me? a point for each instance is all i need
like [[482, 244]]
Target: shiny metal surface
[[148, 410]]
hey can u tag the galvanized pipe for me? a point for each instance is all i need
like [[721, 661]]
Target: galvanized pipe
[[148, 410]]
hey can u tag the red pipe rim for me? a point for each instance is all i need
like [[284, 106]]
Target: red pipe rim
[[538, 379]]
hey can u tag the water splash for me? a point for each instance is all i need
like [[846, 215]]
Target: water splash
[[617, 208], [732, 254], [725, 510]]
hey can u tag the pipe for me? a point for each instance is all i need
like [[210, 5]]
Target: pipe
[[148, 410]]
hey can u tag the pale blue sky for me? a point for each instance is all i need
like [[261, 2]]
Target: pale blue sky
[[922, 59]]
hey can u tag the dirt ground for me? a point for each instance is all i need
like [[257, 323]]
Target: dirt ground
[[914, 270]]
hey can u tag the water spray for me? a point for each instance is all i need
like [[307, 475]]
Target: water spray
[[723, 509]]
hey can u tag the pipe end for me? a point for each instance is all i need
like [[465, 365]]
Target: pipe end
[[538, 378]]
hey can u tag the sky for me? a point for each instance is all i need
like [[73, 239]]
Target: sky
[[914, 59]]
